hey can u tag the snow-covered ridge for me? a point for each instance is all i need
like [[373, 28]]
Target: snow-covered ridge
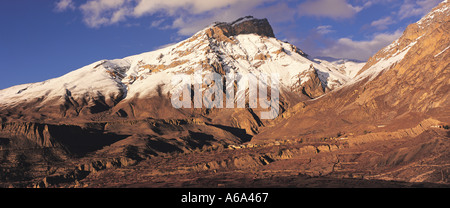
[[349, 68], [394, 53], [141, 75], [442, 9]]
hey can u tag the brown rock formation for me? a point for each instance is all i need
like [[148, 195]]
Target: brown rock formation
[[313, 87]]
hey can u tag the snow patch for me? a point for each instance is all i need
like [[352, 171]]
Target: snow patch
[[442, 51]]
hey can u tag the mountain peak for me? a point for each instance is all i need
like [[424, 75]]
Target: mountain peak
[[246, 25], [414, 33]]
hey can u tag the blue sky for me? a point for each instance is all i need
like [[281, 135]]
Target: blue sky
[[44, 39]]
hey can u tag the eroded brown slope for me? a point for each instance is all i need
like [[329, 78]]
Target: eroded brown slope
[[407, 92]]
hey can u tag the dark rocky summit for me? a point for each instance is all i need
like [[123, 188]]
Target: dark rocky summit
[[247, 25]]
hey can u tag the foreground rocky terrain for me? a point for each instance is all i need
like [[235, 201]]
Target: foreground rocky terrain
[[414, 157], [111, 123]]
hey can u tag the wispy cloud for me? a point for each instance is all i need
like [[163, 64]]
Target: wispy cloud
[[171, 6], [156, 23], [165, 46], [412, 8], [382, 23], [338, 9], [187, 16], [359, 49], [369, 3], [324, 29], [187, 23], [97, 13], [64, 5], [190, 16]]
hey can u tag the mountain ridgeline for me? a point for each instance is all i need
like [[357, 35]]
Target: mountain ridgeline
[[337, 118]]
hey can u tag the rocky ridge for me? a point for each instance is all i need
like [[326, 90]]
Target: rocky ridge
[[402, 85], [389, 123]]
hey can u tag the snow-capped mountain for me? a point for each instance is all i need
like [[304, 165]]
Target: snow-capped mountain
[[113, 120], [246, 45]]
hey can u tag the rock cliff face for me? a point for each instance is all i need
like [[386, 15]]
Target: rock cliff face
[[313, 87], [246, 25], [73, 139]]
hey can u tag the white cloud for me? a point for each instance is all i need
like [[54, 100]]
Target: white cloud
[[324, 29], [64, 5], [337, 9], [189, 15], [171, 6], [156, 23], [119, 15], [188, 24], [382, 23], [165, 46], [361, 50], [97, 13], [279, 12], [369, 3], [411, 8]]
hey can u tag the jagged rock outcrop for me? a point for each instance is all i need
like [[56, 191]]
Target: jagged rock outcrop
[[74, 139], [36, 133], [313, 87], [246, 25]]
